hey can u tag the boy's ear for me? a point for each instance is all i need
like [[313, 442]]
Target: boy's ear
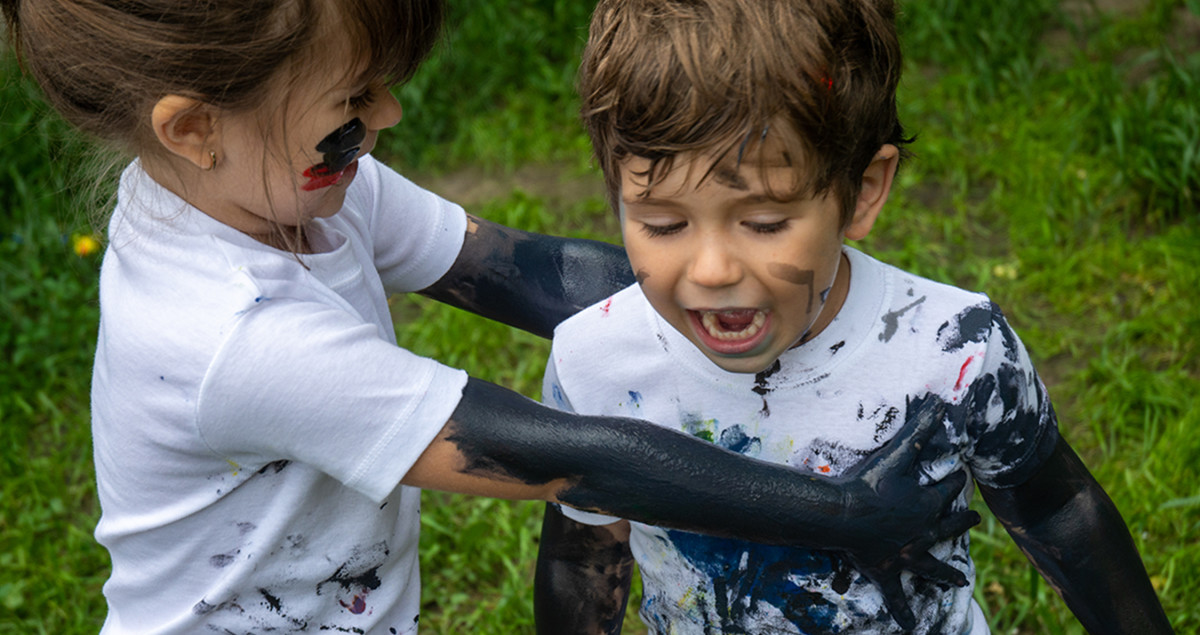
[[876, 185], [186, 127]]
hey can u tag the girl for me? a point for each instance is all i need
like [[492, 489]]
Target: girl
[[259, 437]]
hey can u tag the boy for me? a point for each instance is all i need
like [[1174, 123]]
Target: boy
[[741, 142]]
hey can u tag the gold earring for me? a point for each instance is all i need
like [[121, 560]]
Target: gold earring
[[213, 164]]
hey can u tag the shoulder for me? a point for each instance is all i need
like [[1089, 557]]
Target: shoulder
[[614, 316], [608, 334], [907, 303]]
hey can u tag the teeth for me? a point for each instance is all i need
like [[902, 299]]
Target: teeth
[[712, 323]]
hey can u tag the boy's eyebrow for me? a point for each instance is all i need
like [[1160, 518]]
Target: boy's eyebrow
[[753, 198]]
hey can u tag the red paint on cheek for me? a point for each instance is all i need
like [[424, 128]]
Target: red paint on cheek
[[319, 177]]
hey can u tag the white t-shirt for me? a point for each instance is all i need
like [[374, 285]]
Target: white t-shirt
[[897, 339], [253, 416]]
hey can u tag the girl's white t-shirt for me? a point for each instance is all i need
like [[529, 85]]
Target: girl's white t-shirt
[[253, 414]]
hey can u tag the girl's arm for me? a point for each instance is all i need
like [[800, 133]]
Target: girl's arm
[[530, 281], [500, 444], [1070, 529], [583, 576]]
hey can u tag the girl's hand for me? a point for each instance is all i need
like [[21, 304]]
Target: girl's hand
[[898, 519]]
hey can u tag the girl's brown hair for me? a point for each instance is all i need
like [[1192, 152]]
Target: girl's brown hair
[[103, 64], [662, 77]]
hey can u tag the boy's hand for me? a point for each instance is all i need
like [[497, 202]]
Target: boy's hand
[[901, 519]]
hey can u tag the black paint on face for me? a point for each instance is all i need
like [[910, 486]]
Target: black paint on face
[[339, 148], [795, 276]]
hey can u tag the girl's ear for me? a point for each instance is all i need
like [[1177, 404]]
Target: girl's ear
[[876, 185], [187, 128]]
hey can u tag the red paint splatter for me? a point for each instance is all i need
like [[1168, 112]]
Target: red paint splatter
[[962, 372], [604, 308], [824, 469]]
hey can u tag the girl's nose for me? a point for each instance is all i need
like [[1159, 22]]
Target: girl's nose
[[386, 112]]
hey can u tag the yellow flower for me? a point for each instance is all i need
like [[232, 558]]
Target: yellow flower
[[1005, 271], [85, 245]]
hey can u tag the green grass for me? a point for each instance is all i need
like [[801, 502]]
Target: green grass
[[1055, 168]]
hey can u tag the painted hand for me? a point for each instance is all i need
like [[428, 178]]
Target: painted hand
[[901, 519]]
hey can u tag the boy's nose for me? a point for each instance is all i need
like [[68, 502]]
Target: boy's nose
[[712, 265]]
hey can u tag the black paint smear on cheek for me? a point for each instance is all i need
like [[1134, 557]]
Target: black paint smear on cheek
[[340, 147], [641, 276], [789, 273]]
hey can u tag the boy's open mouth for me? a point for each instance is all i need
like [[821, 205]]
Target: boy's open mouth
[[738, 324], [730, 331]]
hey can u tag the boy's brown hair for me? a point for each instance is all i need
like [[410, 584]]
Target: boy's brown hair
[[662, 77]]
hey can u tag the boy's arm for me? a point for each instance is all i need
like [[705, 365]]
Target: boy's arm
[[1068, 527], [583, 575], [527, 280]]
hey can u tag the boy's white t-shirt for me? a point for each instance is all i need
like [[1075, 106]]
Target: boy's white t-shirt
[[253, 414], [897, 339]]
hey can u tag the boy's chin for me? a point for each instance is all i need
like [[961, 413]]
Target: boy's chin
[[745, 364]]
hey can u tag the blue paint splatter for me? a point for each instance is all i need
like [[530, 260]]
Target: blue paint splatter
[[745, 574], [557, 393]]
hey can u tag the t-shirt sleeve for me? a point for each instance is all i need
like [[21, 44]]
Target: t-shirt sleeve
[[555, 396], [304, 381], [415, 234], [1010, 419]]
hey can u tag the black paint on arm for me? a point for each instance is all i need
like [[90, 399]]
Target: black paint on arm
[[583, 576], [1073, 534], [527, 280], [632, 469]]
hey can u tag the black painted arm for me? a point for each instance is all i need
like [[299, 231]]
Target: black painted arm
[[1073, 534], [530, 281], [498, 443], [583, 576]]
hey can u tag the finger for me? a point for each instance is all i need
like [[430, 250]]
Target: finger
[[895, 601], [950, 487], [955, 524], [899, 454], [930, 568], [920, 425]]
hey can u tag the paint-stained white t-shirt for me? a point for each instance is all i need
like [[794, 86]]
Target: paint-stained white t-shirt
[[898, 341], [253, 414]]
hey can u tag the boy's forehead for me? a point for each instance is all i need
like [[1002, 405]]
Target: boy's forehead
[[758, 166]]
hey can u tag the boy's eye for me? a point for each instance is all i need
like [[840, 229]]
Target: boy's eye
[[767, 228], [655, 231], [362, 100]]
